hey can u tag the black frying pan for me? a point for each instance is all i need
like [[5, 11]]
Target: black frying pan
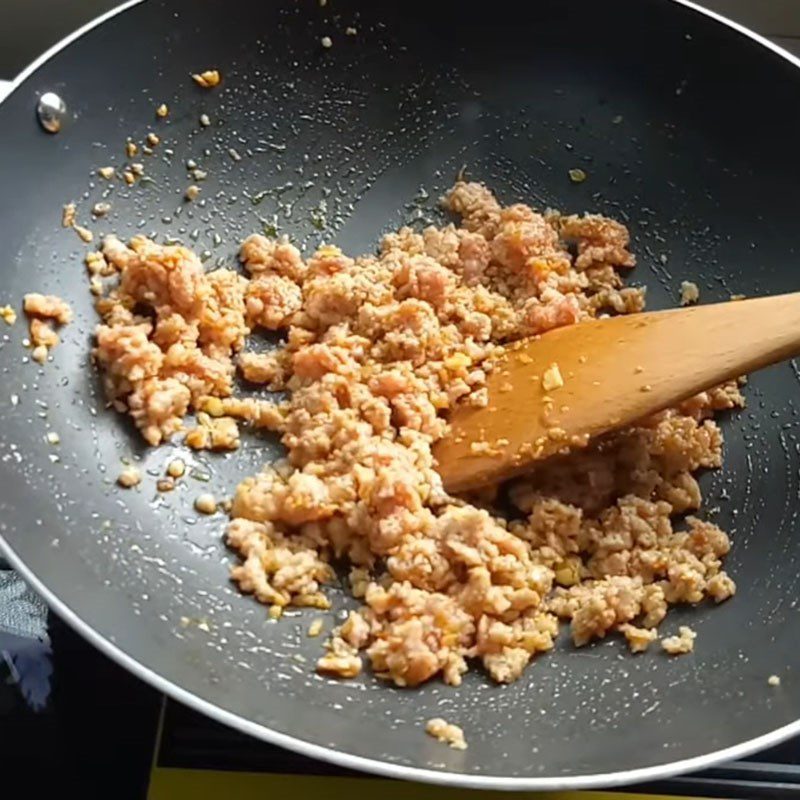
[[688, 130]]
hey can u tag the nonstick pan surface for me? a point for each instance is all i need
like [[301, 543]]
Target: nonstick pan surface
[[688, 131]]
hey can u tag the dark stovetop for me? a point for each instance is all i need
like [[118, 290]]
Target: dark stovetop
[[70, 716]]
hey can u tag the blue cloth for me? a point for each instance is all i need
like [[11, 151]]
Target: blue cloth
[[24, 643], [22, 612]]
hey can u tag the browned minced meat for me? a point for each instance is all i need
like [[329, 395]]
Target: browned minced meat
[[446, 732], [169, 334], [378, 349], [43, 311]]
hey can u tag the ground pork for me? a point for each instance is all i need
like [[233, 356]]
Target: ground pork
[[376, 352], [446, 732], [43, 311]]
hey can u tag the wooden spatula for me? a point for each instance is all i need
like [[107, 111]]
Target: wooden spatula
[[556, 391]]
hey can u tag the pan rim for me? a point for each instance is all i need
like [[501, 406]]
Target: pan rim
[[348, 760]]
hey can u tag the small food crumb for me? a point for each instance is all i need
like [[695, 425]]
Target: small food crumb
[[101, 209], [129, 177], [176, 468], [47, 306], [206, 504], [39, 353], [8, 314], [131, 149], [341, 660], [234, 154], [639, 639], [577, 175], [68, 215], [199, 174], [323, 3], [162, 111], [350, 31], [446, 732], [153, 139], [552, 378], [165, 484], [690, 293], [137, 169], [680, 644], [207, 79], [106, 172], [774, 680], [129, 477], [53, 438], [275, 612], [326, 41], [205, 121], [192, 192], [315, 628], [85, 234]]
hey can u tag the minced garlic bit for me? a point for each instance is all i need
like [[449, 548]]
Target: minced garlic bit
[[192, 192], [552, 378], [176, 468], [680, 644], [129, 477], [153, 139], [129, 177], [350, 31], [446, 732], [131, 148], [206, 504], [137, 169], [8, 314], [85, 234], [315, 628], [165, 484], [53, 438], [568, 572], [774, 680], [68, 215], [162, 110], [101, 209], [577, 175], [106, 172], [207, 79], [205, 121], [690, 293], [326, 41], [39, 353]]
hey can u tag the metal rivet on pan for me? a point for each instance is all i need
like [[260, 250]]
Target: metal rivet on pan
[[51, 111]]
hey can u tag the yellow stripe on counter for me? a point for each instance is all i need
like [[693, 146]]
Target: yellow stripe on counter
[[189, 784]]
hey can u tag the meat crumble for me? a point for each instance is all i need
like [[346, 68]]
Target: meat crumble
[[378, 350]]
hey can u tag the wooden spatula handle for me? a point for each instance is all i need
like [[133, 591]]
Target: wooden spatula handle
[[615, 371]]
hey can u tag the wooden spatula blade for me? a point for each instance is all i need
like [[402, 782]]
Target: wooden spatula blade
[[558, 391]]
